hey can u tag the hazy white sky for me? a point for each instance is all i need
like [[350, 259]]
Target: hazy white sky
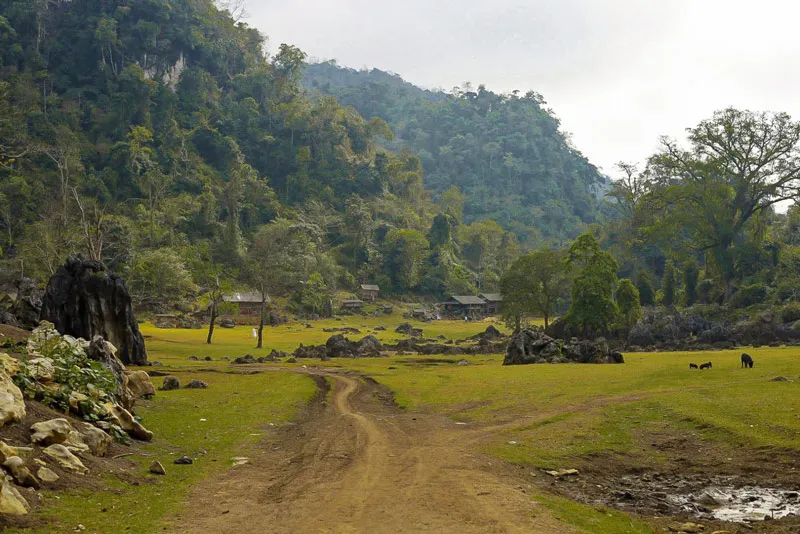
[[619, 73]]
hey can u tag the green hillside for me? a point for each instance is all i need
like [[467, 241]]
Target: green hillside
[[506, 153]]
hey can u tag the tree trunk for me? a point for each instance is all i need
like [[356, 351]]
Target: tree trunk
[[261, 323], [213, 320], [546, 320]]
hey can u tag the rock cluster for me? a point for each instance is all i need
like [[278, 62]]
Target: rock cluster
[[532, 346], [83, 300], [338, 346], [409, 330]]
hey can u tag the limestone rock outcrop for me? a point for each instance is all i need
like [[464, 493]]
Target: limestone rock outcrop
[[83, 300]]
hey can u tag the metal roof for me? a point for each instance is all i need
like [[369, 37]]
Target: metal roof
[[244, 297], [370, 287], [467, 299], [493, 297]]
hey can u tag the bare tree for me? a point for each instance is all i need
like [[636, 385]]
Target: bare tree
[[237, 9]]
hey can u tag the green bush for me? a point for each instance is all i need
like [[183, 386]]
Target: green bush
[[750, 295], [791, 312]]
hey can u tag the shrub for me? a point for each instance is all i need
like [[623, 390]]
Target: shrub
[[750, 295], [791, 312]]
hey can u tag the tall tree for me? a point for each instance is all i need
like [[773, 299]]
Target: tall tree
[[593, 308], [668, 282], [738, 164]]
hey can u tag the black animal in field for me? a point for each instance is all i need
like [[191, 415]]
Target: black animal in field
[[747, 360], [692, 366], [706, 365]]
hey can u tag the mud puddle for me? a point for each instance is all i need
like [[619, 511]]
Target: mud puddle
[[749, 503]]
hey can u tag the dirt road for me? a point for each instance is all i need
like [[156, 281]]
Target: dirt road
[[356, 463]]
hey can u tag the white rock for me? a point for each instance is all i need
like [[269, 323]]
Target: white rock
[[49, 432], [11, 502], [47, 475], [97, 440], [42, 369], [65, 458], [8, 364], [12, 404]]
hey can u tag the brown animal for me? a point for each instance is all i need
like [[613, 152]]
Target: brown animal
[[692, 366], [747, 360], [706, 365]]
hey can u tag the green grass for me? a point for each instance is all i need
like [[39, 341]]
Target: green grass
[[568, 413], [237, 409], [577, 410]]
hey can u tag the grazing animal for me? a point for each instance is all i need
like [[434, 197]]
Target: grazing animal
[[692, 366], [747, 360], [706, 365]]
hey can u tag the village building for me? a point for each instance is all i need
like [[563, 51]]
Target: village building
[[369, 292], [494, 301], [465, 306], [243, 304]]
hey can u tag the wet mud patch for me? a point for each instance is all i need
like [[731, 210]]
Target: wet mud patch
[[748, 503]]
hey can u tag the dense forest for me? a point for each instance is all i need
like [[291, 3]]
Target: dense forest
[[160, 138], [506, 153]]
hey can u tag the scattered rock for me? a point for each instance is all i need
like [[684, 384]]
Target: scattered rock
[[291, 360], [46, 474], [11, 501], [130, 425], [246, 359], [563, 473], [104, 352], [183, 460], [407, 329], [688, 528], [8, 365], [140, 385], [532, 346], [197, 384], [65, 458], [779, 379], [83, 300], [157, 469], [75, 443], [170, 383], [463, 362], [50, 432], [240, 460], [12, 404], [42, 370], [20, 472], [227, 323], [97, 440]]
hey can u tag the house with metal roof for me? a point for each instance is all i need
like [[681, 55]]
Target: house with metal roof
[[465, 306], [369, 292], [493, 302]]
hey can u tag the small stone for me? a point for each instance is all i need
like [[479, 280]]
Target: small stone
[[170, 383], [779, 379], [563, 473], [47, 475], [688, 528], [240, 460], [463, 362], [157, 469], [42, 370], [197, 384], [12, 404], [183, 460]]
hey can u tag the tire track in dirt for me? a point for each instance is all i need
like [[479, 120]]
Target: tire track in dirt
[[359, 464]]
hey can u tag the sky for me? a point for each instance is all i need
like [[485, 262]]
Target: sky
[[618, 73]]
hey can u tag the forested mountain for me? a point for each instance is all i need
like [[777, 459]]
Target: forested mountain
[[506, 153], [160, 138]]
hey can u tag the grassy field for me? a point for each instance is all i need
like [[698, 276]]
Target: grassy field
[[213, 425], [559, 415]]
